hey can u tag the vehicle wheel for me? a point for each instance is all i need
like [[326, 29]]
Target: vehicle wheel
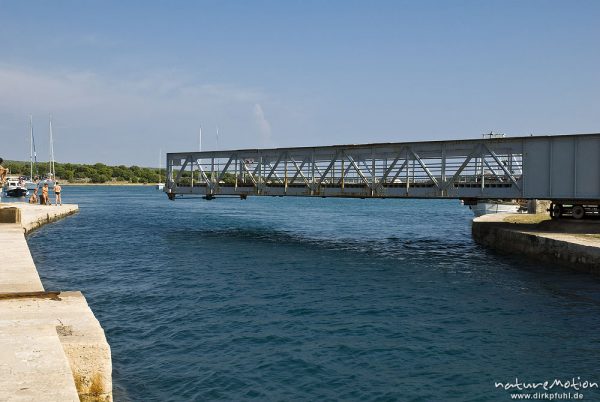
[[557, 211], [578, 212]]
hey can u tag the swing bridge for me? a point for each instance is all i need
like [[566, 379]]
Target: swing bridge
[[562, 168]]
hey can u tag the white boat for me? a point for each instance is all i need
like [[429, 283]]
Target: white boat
[[484, 207], [15, 187], [30, 184], [48, 180]]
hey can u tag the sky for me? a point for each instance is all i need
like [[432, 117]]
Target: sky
[[125, 80]]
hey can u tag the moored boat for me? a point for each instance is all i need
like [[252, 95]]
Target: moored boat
[[50, 178], [15, 187], [30, 184], [484, 207]]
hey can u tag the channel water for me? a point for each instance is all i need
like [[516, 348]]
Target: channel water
[[313, 299]]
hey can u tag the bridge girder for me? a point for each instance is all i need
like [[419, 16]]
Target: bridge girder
[[491, 168]]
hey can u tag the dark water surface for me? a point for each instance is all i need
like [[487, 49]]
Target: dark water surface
[[313, 299]]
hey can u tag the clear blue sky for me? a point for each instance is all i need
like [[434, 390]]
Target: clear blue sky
[[125, 79]]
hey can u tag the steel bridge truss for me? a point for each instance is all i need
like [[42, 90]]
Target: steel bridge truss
[[487, 168]]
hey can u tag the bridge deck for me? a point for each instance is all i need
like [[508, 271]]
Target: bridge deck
[[548, 167]]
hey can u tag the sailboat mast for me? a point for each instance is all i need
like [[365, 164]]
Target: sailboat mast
[[217, 138], [35, 166], [52, 172], [199, 161], [30, 147], [50, 159]]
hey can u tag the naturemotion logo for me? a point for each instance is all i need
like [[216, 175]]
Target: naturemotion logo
[[563, 389]]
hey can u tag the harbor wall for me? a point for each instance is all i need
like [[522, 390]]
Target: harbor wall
[[571, 244], [34, 216], [54, 348]]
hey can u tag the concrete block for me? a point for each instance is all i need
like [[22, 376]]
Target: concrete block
[[552, 242], [87, 350], [538, 206], [84, 349], [18, 272], [10, 215], [33, 366], [53, 348]]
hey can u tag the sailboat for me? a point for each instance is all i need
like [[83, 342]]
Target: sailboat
[[160, 185], [51, 175], [31, 182]]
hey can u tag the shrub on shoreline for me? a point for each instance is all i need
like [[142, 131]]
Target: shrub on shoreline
[[86, 173]]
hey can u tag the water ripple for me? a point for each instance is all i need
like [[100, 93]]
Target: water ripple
[[313, 299]]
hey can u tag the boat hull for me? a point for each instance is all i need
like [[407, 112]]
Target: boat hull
[[17, 192], [484, 208]]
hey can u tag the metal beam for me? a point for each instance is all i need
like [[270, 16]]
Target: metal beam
[[539, 167]]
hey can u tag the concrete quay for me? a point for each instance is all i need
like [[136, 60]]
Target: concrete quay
[[34, 216], [52, 348], [571, 243]]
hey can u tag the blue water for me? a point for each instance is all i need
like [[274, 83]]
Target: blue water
[[314, 299]]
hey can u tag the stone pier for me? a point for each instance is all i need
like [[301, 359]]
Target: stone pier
[[52, 348], [569, 242]]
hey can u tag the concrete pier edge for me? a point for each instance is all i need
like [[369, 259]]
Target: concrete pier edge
[[572, 244], [53, 347]]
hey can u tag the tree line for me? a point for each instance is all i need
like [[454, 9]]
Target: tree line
[[84, 173]]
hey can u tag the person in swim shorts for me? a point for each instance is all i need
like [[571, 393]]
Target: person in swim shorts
[[57, 199]]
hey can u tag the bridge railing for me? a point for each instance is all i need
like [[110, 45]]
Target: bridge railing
[[455, 169]]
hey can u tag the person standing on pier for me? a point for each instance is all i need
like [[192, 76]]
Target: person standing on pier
[[3, 172], [57, 199], [44, 199]]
